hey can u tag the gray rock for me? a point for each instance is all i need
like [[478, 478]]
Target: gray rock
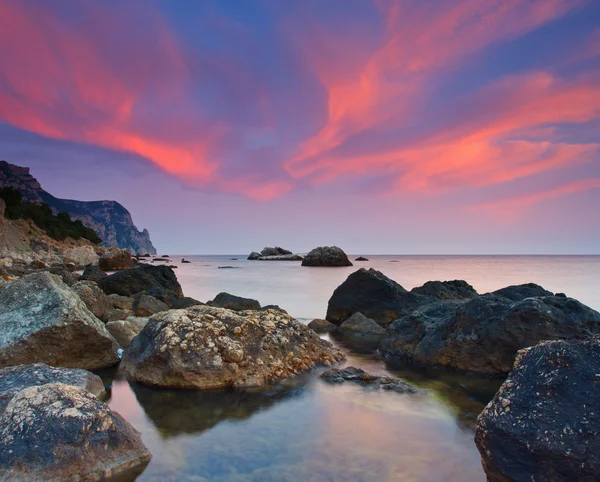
[[254, 256], [447, 290], [43, 320], [121, 302], [15, 379], [326, 256], [116, 259], [276, 251], [361, 258], [94, 298], [93, 273], [145, 305], [124, 330], [520, 292], [62, 433], [321, 326], [360, 377], [232, 302], [360, 325]]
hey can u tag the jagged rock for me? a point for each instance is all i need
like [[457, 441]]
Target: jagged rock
[[254, 256], [93, 273], [61, 432], [145, 306], [276, 251], [124, 330], [520, 292], [15, 379], [361, 258], [484, 334], [43, 320], [447, 290], [374, 295], [208, 347], [115, 260], [121, 302], [144, 278], [321, 326], [544, 423], [360, 377], [232, 302], [360, 325], [93, 297], [326, 256]]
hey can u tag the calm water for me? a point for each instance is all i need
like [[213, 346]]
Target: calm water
[[310, 431]]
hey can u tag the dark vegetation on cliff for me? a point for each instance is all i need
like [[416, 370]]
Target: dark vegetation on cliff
[[59, 226]]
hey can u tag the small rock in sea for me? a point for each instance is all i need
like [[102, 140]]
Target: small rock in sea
[[321, 326], [185, 261], [326, 256], [276, 251], [232, 302], [394, 261], [361, 258], [360, 377], [233, 259], [228, 267]]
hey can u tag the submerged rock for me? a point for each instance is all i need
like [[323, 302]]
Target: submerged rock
[[484, 334], [15, 379], [326, 256], [359, 325], [142, 279], [43, 320], [321, 326], [61, 432], [544, 423], [208, 347], [447, 290], [116, 259], [360, 377], [232, 302], [374, 295]]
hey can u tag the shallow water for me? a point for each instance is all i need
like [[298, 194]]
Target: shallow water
[[310, 431]]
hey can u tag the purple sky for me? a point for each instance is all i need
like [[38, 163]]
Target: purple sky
[[408, 127]]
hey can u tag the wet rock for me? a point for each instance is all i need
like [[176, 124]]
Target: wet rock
[[232, 302], [276, 251], [326, 256], [15, 379], [360, 377], [361, 258], [254, 256], [544, 423], [61, 432], [484, 334], [145, 306], [54, 326], [520, 292], [116, 259], [94, 298], [321, 326], [447, 290], [374, 295], [124, 330], [360, 325], [93, 273], [208, 347], [121, 302], [142, 279]]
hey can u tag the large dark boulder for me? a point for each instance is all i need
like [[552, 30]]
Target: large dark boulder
[[116, 259], [374, 295], [208, 347], [544, 422], [484, 334], [447, 290], [92, 273], [61, 432], [520, 292], [43, 320], [254, 256], [232, 302], [326, 256], [144, 278], [15, 379], [276, 251]]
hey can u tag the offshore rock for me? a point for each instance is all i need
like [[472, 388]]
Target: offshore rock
[[326, 256], [145, 306], [321, 326], [232, 302]]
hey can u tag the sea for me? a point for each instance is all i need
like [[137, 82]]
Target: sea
[[308, 431]]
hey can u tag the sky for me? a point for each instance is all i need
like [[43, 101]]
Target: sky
[[380, 126]]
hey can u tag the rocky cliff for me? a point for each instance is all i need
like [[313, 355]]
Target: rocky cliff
[[109, 219]]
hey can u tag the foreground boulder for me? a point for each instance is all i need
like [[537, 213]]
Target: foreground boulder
[[359, 325], [326, 256], [207, 347], [144, 278], [93, 297], [374, 295], [15, 379], [116, 259], [232, 302], [447, 290], [544, 424], [484, 334], [61, 432], [43, 320], [321, 326], [360, 377]]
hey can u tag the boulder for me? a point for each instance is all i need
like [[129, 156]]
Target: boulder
[[544, 423], [82, 255], [185, 302], [447, 290], [65, 274], [124, 330], [15, 379], [360, 325], [282, 257], [121, 302], [93, 297], [321, 326], [93, 273], [520, 292], [142, 279], [118, 314], [232, 302], [276, 251], [116, 259], [208, 347], [145, 306], [484, 334], [43, 320], [61, 432], [326, 256], [374, 295], [360, 377], [361, 258], [254, 256]]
